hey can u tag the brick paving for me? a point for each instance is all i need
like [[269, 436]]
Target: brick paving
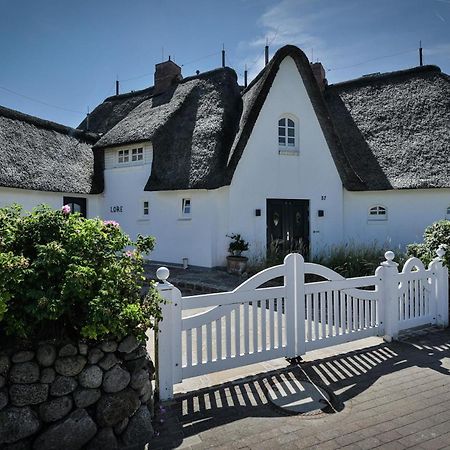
[[387, 396]]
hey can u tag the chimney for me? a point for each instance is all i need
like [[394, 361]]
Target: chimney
[[167, 74], [319, 75]]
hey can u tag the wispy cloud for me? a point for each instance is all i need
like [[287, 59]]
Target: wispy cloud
[[439, 16]]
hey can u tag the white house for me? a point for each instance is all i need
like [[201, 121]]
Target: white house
[[287, 160]]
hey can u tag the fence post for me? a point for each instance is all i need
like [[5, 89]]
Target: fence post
[[290, 305], [300, 304], [390, 297], [441, 287], [169, 336]]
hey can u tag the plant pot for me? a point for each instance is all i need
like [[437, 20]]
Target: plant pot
[[236, 265]]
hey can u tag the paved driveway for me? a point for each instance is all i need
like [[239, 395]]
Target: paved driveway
[[386, 395]]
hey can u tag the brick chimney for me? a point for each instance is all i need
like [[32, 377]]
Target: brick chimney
[[319, 75], [167, 74]]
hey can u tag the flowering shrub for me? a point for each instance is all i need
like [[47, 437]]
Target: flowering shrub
[[63, 275]]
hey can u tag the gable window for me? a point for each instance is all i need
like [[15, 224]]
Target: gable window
[[77, 204], [377, 212], [137, 154], [448, 210], [286, 132], [186, 207]]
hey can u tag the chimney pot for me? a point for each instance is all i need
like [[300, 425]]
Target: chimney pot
[[167, 74], [319, 75]]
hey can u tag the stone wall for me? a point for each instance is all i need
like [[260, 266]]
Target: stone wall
[[76, 396]]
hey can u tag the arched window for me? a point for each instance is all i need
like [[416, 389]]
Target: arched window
[[287, 136], [377, 212]]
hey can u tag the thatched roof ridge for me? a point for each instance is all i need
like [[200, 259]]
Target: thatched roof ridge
[[113, 109], [41, 155], [395, 127]]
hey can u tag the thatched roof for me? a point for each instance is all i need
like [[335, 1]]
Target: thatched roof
[[395, 128], [191, 127], [113, 110], [45, 156]]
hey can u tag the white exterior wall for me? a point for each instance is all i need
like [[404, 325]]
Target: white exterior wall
[[409, 212], [263, 174], [30, 199], [177, 236]]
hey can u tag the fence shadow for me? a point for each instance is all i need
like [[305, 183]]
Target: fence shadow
[[345, 375]]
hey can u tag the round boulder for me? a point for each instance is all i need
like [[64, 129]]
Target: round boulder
[[55, 409], [28, 394], [104, 439], [91, 377], [63, 386], [109, 346], [46, 355], [3, 399], [86, 397], [70, 366], [139, 431], [95, 355], [116, 379], [70, 434], [48, 375], [27, 372], [22, 356], [17, 424], [139, 378], [110, 360], [68, 350], [5, 364], [113, 408], [128, 345]]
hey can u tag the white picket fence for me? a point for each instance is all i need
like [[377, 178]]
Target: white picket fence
[[207, 333]]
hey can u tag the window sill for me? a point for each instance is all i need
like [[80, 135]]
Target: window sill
[[184, 219], [144, 219], [287, 152]]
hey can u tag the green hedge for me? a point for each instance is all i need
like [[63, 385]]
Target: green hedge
[[65, 276]]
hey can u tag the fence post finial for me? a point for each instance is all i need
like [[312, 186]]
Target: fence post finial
[[162, 274], [441, 251]]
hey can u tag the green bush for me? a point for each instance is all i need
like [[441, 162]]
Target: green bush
[[65, 276], [436, 234]]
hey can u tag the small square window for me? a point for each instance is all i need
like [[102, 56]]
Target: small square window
[[146, 208], [186, 207], [124, 156], [137, 154]]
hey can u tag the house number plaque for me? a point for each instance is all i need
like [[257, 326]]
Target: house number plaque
[[116, 209]]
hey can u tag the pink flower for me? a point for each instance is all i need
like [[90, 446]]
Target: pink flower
[[65, 210], [113, 223], [129, 254]]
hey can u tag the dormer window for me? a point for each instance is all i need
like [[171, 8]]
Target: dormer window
[[377, 212], [124, 156], [287, 135], [137, 154], [133, 155]]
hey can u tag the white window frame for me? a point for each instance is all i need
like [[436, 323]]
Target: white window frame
[[186, 207], [137, 154], [286, 148], [145, 211], [123, 156], [377, 213]]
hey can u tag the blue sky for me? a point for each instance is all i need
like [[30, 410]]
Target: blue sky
[[69, 53]]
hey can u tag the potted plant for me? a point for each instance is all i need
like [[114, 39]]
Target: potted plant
[[236, 263]]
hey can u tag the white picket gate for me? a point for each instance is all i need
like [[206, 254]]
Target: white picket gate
[[257, 322]]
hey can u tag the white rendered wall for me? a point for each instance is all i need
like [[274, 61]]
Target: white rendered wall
[[177, 236], [409, 213], [263, 174], [30, 199]]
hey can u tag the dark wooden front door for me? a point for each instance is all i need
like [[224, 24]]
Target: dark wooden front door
[[77, 204], [287, 227]]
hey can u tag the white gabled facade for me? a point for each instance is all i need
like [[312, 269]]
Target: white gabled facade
[[263, 173]]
